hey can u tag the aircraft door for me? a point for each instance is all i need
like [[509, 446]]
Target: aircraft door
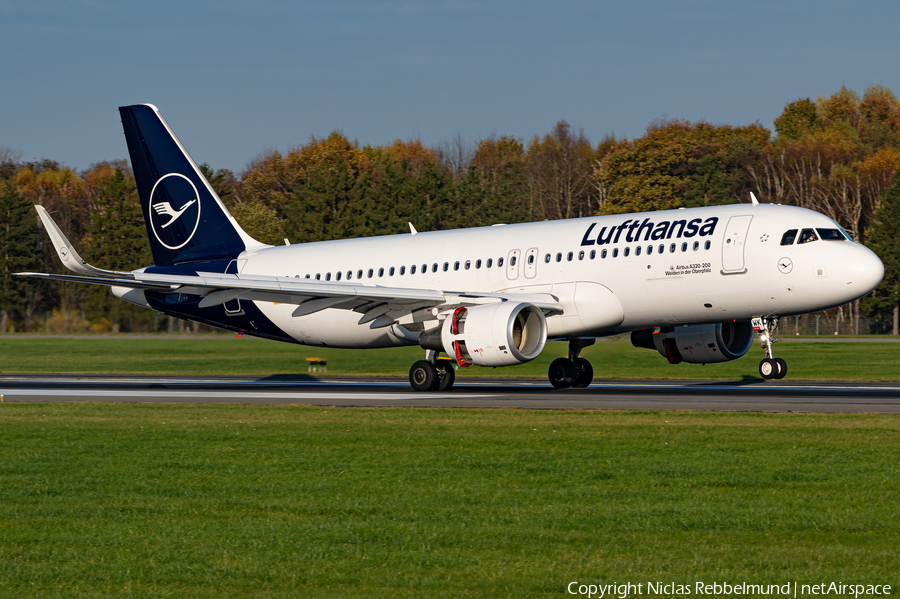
[[733, 245], [531, 263], [512, 264]]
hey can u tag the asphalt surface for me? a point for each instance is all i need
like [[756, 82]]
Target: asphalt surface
[[752, 395]]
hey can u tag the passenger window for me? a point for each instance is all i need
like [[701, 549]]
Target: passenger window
[[358, 274], [672, 249], [547, 258], [707, 245], [380, 272], [338, 276], [468, 264], [370, 273], [637, 251], [512, 261], [649, 249], [456, 265], [696, 245], [499, 262], [559, 257], [831, 234], [424, 269], [603, 254], [615, 252], [684, 246], [328, 276], [318, 276], [412, 269], [477, 264], [593, 254], [391, 272], [434, 267], [788, 237], [489, 262], [349, 274], [807, 236], [581, 255], [627, 251], [569, 256], [446, 266], [662, 248], [307, 276]]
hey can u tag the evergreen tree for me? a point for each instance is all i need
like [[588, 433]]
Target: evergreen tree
[[116, 240], [19, 242], [884, 240]]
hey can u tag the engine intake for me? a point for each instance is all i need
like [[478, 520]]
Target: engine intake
[[698, 343], [501, 334]]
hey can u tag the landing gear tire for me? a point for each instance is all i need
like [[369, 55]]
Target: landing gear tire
[[585, 373], [768, 368], [445, 375], [423, 376], [562, 373], [782, 368]]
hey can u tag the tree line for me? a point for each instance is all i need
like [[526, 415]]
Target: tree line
[[837, 154]]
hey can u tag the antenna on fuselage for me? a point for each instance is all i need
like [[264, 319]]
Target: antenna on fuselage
[[412, 229], [753, 199]]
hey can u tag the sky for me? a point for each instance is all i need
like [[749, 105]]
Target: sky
[[236, 79]]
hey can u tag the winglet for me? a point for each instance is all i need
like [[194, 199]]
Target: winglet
[[753, 199], [412, 229], [67, 253]]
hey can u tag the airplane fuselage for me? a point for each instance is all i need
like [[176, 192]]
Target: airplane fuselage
[[610, 274]]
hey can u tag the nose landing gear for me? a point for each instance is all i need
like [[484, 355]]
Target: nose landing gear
[[572, 371], [770, 367]]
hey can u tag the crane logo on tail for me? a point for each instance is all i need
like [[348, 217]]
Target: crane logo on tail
[[175, 210]]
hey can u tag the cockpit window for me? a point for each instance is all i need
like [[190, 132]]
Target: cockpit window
[[788, 237], [808, 235], [831, 234]]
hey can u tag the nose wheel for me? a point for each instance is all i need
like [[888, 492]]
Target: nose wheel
[[770, 367]]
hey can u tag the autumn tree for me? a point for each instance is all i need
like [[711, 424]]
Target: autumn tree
[[679, 164], [560, 167], [495, 187]]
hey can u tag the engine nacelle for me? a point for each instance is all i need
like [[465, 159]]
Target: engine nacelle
[[698, 343], [501, 334]]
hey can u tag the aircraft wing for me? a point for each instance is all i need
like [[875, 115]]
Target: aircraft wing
[[383, 305]]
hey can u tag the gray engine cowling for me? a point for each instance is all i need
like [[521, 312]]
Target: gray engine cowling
[[698, 344], [501, 334]]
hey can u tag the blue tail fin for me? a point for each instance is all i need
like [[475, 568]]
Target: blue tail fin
[[186, 221]]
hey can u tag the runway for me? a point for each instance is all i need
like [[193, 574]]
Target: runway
[[771, 396]]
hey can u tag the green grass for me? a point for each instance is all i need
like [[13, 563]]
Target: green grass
[[227, 355], [272, 501]]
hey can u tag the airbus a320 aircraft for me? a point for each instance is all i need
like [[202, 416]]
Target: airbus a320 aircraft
[[692, 284]]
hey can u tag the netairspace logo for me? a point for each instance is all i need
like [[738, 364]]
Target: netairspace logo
[[719, 589]]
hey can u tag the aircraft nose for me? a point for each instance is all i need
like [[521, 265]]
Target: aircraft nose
[[864, 270]]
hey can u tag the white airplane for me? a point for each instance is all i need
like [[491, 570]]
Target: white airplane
[[692, 284]]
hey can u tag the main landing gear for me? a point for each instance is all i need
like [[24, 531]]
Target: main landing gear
[[770, 367], [432, 374], [572, 371]]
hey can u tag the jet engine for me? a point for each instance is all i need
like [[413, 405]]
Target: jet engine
[[697, 344], [501, 334]]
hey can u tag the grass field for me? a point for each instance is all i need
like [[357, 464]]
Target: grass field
[[273, 501], [227, 355]]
